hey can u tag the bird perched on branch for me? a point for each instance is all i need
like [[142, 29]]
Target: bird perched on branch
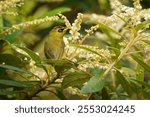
[[54, 45]]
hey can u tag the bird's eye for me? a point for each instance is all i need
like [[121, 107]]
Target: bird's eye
[[60, 30]]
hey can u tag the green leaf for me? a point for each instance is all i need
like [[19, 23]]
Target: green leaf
[[146, 41], [128, 71], [59, 94], [2, 72], [139, 73], [126, 22], [142, 25], [1, 22], [141, 62], [15, 69], [32, 54], [62, 64], [10, 59], [76, 78], [125, 84], [56, 11], [143, 83], [86, 48], [96, 83], [14, 83], [12, 36], [7, 93], [109, 28], [105, 94]]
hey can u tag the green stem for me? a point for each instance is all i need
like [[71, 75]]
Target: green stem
[[124, 51]]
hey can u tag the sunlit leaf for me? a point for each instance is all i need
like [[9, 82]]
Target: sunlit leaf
[[141, 62], [142, 25], [146, 41], [128, 71], [96, 82], [109, 28]]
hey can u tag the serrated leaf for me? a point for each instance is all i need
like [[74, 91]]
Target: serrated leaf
[[125, 84], [56, 11], [96, 82], [76, 78], [141, 62], [142, 25], [10, 59], [32, 54]]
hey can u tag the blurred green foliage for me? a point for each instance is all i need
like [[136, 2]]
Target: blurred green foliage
[[17, 81]]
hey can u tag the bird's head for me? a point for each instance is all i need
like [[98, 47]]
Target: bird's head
[[58, 31]]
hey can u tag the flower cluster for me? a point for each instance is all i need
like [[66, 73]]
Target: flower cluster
[[7, 4], [75, 49], [137, 4], [121, 15], [29, 23], [76, 26], [67, 23], [93, 57], [89, 32], [124, 20], [71, 51], [135, 14]]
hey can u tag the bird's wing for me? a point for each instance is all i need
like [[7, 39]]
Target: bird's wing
[[60, 51], [48, 52]]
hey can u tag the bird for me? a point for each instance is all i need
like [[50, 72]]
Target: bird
[[54, 44]]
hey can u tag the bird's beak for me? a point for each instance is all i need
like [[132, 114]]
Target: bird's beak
[[66, 29]]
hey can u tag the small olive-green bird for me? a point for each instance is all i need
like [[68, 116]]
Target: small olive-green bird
[[54, 45]]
